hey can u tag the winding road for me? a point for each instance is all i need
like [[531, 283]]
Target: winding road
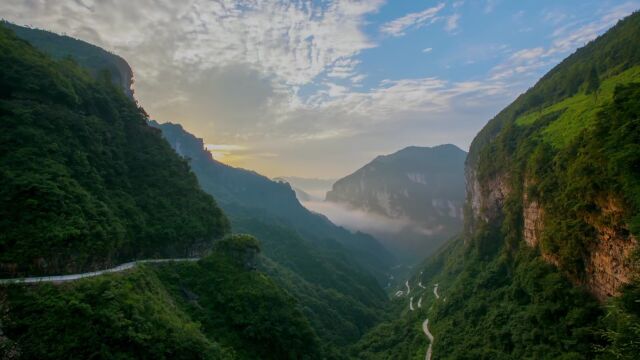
[[425, 328], [73, 277], [411, 304], [408, 288]]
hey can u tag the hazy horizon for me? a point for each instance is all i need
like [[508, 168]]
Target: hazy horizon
[[292, 88]]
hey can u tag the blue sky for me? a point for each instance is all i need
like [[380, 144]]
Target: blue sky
[[318, 88]]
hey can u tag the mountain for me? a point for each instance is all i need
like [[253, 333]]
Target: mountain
[[548, 265], [93, 58], [422, 185], [325, 267], [86, 182], [234, 188]]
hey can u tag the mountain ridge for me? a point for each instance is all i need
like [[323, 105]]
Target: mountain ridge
[[423, 186]]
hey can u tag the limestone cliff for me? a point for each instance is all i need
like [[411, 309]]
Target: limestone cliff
[[557, 169], [607, 264]]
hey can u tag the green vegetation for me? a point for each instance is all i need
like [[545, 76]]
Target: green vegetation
[[240, 308], [340, 300], [123, 316], [609, 55], [213, 309], [578, 157], [95, 59], [571, 143], [85, 181], [578, 112], [519, 308], [321, 265]]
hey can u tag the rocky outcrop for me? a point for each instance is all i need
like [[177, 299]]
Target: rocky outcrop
[[607, 263], [533, 216], [486, 199], [609, 266], [242, 249]]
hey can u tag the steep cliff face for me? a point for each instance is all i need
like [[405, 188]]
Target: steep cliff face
[[608, 265], [607, 259], [486, 199], [533, 219], [557, 169]]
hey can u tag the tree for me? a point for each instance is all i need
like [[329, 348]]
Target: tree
[[593, 82]]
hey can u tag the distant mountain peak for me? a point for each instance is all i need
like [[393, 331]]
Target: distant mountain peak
[[423, 186]]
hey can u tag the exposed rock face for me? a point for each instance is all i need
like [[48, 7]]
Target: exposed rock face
[[533, 220], [608, 266], [487, 199]]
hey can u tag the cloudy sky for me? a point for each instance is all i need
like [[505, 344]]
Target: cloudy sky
[[318, 88]]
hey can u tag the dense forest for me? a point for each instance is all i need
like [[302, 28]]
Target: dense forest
[[86, 182], [217, 308]]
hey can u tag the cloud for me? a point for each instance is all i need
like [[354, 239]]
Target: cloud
[[357, 220], [555, 17], [564, 39], [490, 5], [427, 50], [399, 26], [283, 78], [291, 41], [452, 23]]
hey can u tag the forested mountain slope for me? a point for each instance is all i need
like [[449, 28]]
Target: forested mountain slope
[[86, 183], [217, 308], [324, 266], [341, 299], [238, 188], [548, 267], [89, 56]]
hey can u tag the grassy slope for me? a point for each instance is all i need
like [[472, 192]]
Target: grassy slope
[[579, 111]]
